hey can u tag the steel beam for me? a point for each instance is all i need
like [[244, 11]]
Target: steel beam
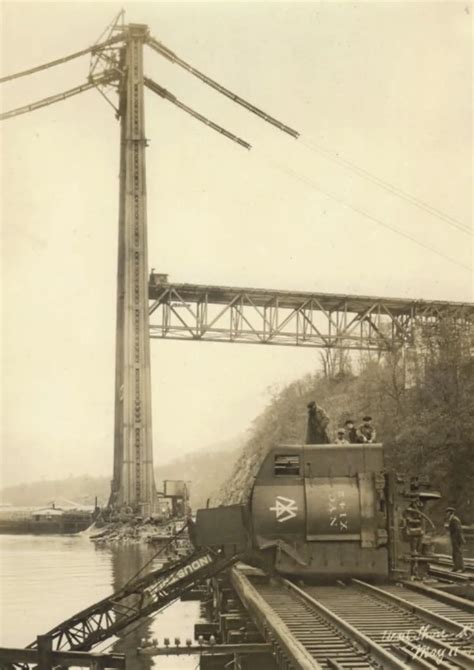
[[64, 659], [290, 318]]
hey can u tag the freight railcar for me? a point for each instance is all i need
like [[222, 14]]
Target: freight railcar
[[317, 511]]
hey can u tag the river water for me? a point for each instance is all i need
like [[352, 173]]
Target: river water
[[46, 579]]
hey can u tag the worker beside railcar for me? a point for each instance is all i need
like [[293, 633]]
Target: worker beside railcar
[[457, 539]]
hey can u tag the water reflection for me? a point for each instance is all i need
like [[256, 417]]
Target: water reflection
[[46, 579], [126, 562]]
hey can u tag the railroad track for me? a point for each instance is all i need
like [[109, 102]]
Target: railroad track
[[358, 626], [445, 574], [441, 567], [447, 560]]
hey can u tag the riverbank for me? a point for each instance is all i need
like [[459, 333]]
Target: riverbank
[[170, 535]]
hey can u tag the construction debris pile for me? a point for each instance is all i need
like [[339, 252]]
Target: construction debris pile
[[133, 531]]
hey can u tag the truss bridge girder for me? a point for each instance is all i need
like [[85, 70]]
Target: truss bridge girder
[[286, 318]]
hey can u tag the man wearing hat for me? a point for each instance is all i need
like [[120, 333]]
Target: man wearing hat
[[457, 539], [349, 425], [366, 432], [318, 421], [340, 437]]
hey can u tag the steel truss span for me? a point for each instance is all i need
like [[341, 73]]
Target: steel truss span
[[324, 320]]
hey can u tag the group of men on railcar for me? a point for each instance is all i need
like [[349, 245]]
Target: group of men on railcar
[[317, 433], [366, 432], [318, 422]]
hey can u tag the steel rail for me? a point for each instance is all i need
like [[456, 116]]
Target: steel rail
[[381, 655], [418, 654], [451, 652], [65, 59], [270, 624], [424, 614], [396, 628], [446, 562], [429, 602], [408, 651], [445, 559], [442, 596], [105, 79], [450, 576], [170, 55]]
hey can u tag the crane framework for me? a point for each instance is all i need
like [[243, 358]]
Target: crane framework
[[186, 311]]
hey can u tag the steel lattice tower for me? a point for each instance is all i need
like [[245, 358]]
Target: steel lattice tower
[[117, 63], [133, 483]]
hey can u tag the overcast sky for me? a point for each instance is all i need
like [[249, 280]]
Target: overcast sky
[[384, 85]]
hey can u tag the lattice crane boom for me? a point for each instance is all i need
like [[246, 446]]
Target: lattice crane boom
[[170, 55], [164, 93], [136, 601], [60, 61], [100, 80]]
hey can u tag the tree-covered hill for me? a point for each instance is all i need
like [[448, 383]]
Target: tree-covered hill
[[423, 410]]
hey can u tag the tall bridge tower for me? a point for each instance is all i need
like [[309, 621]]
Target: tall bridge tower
[[133, 479], [117, 62]]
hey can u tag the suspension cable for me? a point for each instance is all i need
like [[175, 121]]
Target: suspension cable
[[343, 201], [391, 188], [60, 61], [162, 92], [105, 79], [170, 55]]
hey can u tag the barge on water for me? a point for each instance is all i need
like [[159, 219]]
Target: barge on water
[[45, 521]]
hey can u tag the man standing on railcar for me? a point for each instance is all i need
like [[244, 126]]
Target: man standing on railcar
[[351, 431], [457, 539], [341, 437], [318, 421], [366, 432]]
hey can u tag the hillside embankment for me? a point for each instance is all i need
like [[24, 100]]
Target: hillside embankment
[[423, 415]]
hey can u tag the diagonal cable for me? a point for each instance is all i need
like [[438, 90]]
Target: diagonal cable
[[315, 185], [170, 55], [391, 188]]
